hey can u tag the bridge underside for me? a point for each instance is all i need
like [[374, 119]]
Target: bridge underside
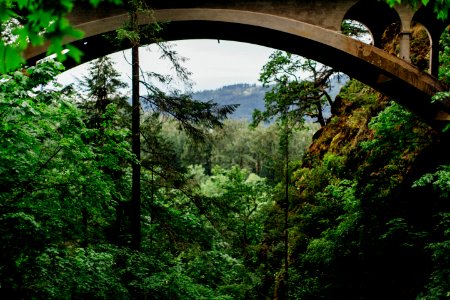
[[372, 66]]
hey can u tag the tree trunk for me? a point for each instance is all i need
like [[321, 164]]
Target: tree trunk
[[84, 214], [320, 117], [136, 143], [286, 214]]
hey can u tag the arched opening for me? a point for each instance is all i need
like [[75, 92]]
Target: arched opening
[[420, 44], [368, 13], [420, 47], [357, 30], [435, 28]]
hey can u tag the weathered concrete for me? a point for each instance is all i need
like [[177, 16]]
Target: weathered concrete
[[309, 28]]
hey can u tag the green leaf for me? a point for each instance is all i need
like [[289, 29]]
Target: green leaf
[[40, 18], [67, 4], [56, 48], [74, 53], [35, 39], [94, 3], [22, 37], [10, 58], [22, 3], [75, 33]]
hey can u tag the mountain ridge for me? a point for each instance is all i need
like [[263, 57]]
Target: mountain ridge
[[251, 96], [248, 96]]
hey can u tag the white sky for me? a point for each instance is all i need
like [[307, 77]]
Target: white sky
[[213, 64]]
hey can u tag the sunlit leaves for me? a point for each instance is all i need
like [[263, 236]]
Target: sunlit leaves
[[10, 58]]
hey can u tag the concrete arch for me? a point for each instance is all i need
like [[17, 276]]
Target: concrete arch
[[386, 73]]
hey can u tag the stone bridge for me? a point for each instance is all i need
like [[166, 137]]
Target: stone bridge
[[311, 28]]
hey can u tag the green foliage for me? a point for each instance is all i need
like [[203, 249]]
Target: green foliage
[[357, 93], [336, 211], [237, 144], [241, 197], [291, 97], [438, 286], [438, 180], [79, 273], [444, 68], [396, 132], [51, 179], [444, 57], [440, 7], [34, 22], [22, 239], [44, 123]]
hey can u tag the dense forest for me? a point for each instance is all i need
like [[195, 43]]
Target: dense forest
[[315, 197]]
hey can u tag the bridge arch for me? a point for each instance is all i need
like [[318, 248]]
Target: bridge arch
[[386, 73]]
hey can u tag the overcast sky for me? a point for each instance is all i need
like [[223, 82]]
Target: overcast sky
[[213, 63]]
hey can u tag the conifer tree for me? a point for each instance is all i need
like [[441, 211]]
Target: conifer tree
[[100, 87], [107, 109], [192, 116]]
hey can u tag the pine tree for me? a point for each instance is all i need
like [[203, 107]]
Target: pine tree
[[107, 112]]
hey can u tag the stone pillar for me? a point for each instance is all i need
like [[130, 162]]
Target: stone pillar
[[406, 15], [405, 46]]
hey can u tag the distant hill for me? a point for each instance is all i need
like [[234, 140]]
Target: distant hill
[[248, 96], [251, 96]]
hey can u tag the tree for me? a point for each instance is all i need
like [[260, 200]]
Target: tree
[[192, 115], [135, 127], [292, 96], [107, 112], [290, 101], [237, 201], [102, 86]]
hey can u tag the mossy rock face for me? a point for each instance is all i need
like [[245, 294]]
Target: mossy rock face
[[365, 206], [355, 106]]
